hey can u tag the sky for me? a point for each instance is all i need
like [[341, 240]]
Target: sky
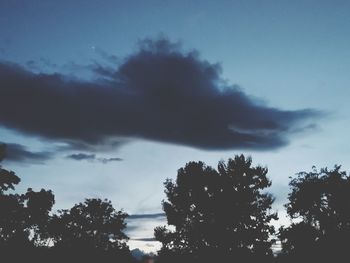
[[108, 99]]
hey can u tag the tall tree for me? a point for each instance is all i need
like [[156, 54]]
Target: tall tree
[[223, 212]]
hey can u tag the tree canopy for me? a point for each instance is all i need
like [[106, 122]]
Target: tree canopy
[[222, 212], [93, 224], [318, 204], [87, 232]]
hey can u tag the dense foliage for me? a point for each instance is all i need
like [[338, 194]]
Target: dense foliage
[[218, 213], [319, 205]]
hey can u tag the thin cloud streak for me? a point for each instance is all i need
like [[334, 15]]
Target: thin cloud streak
[[92, 157]]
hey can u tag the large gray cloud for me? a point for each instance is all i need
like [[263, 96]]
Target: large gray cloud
[[158, 93]]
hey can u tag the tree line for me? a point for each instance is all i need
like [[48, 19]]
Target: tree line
[[221, 214]]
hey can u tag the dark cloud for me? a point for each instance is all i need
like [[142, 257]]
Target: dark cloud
[[147, 216], [19, 153], [146, 239], [92, 157], [158, 93], [81, 156]]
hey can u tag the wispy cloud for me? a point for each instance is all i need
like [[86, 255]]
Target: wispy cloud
[[92, 157], [148, 216]]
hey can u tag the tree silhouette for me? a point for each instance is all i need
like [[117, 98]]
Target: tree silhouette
[[8, 179], [23, 217], [220, 213], [12, 229], [94, 224], [320, 200], [38, 206], [88, 232]]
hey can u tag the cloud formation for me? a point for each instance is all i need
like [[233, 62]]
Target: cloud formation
[[92, 157], [159, 93], [18, 153]]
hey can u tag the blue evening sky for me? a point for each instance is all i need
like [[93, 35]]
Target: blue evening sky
[[290, 54]]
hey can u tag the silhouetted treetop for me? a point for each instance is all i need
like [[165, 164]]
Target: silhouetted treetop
[[2, 151], [224, 210], [92, 224], [8, 179], [320, 199], [23, 217]]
